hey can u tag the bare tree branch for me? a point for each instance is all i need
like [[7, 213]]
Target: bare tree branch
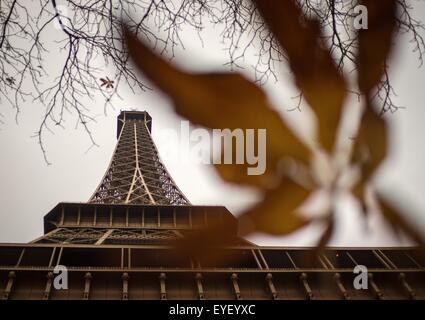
[[88, 41]]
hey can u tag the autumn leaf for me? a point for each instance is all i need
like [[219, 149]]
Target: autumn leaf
[[326, 235], [276, 214], [398, 222], [220, 101], [375, 42], [374, 47], [315, 72], [230, 101], [206, 244], [370, 149]]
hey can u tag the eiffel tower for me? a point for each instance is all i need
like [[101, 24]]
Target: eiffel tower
[[117, 246]]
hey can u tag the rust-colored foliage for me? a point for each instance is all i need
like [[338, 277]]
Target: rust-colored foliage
[[316, 75], [375, 43], [370, 149], [395, 218], [278, 204], [228, 100]]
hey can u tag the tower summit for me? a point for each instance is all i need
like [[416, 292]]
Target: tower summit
[[136, 174]]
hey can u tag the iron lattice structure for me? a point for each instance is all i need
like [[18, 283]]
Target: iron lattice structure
[[136, 175], [118, 246]]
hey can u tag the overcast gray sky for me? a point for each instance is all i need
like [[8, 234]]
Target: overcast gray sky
[[29, 188]]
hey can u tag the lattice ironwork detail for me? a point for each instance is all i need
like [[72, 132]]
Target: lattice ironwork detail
[[74, 235], [109, 236], [136, 174], [141, 236]]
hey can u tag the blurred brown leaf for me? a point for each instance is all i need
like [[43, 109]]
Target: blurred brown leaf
[[276, 213], [206, 244], [398, 222], [326, 235], [370, 149], [238, 174], [315, 72], [229, 101], [219, 101], [374, 47], [375, 42]]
